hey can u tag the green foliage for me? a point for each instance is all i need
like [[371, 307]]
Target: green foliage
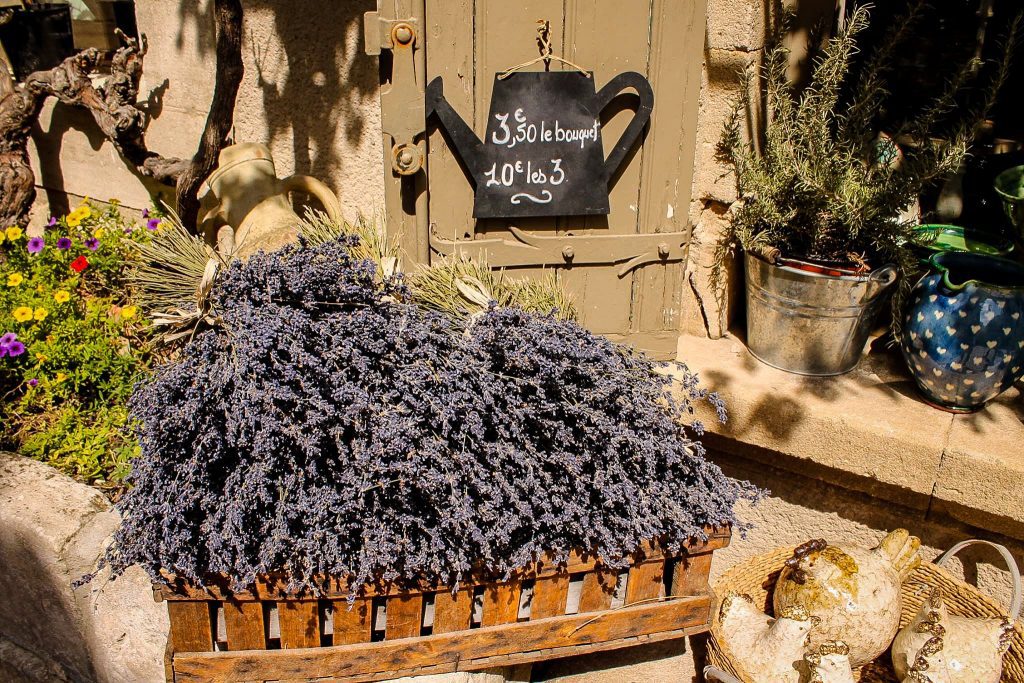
[[824, 184], [80, 343]]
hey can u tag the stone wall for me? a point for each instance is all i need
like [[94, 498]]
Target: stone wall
[[309, 92]]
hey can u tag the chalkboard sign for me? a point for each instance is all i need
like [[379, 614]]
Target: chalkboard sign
[[542, 154]]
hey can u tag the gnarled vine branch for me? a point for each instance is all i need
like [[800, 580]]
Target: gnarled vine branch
[[115, 108]]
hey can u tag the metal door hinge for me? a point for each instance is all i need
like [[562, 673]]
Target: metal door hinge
[[402, 104]]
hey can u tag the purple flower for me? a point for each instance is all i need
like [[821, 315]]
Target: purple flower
[[53, 222], [35, 245], [8, 339], [64, 243], [33, 382], [145, 213], [153, 223], [16, 348], [92, 243]]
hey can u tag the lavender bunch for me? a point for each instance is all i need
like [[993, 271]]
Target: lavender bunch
[[328, 428]]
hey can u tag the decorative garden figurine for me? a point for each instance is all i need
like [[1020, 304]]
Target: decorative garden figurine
[[253, 211], [963, 336], [855, 592], [829, 664], [763, 649], [969, 650], [929, 664]]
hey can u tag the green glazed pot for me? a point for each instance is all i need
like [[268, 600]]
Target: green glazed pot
[[1009, 185], [937, 238]]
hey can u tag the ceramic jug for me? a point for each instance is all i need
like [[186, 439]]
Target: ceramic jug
[[963, 336], [252, 210]]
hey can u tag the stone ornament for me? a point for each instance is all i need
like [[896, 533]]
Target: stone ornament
[[952, 648], [761, 648], [830, 663], [855, 592]]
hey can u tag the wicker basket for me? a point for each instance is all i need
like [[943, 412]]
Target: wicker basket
[[757, 576]]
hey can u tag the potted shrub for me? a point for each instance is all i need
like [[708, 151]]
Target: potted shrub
[[828, 200], [342, 432]]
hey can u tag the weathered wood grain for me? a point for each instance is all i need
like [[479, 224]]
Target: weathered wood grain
[[274, 587], [245, 627], [191, 627], [645, 581], [452, 613], [351, 625], [690, 575], [300, 623], [598, 590], [461, 651], [405, 617], [501, 603], [549, 596]]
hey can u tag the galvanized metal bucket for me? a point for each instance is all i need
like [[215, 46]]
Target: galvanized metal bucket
[[811, 323]]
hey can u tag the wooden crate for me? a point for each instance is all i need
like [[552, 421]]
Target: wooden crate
[[545, 612]]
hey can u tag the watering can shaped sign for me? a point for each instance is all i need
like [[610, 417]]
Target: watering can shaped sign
[[542, 155]]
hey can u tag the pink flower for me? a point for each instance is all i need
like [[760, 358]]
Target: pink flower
[[35, 245]]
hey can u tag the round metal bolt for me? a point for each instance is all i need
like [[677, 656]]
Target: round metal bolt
[[663, 250], [405, 158], [568, 253], [403, 34]]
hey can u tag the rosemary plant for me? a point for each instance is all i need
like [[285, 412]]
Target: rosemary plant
[[825, 184]]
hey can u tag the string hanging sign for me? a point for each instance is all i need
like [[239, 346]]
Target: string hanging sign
[[542, 154]]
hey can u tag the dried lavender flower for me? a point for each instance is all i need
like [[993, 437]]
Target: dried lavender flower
[[328, 428]]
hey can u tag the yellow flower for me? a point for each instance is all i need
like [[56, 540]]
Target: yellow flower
[[2, 233], [15, 279], [99, 233], [41, 314], [84, 211], [129, 312], [62, 297], [60, 377], [73, 220], [41, 358], [23, 314], [13, 233]]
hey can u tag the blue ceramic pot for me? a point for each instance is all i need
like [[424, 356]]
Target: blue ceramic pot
[[963, 335]]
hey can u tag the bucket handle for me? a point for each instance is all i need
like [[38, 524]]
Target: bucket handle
[[880, 280], [1011, 564], [713, 673]]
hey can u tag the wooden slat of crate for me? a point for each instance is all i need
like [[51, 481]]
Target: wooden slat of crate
[[549, 596], [300, 623], [352, 625], [598, 590], [191, 627], [691, 575], [275, 587], [452, 613], [244, 623], [462, 651], [645, 581], [501, 603], [405, 617]]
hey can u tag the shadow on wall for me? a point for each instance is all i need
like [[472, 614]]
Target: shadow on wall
[[311, 73]]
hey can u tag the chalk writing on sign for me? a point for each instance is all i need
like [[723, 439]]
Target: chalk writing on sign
[[542, 154]]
